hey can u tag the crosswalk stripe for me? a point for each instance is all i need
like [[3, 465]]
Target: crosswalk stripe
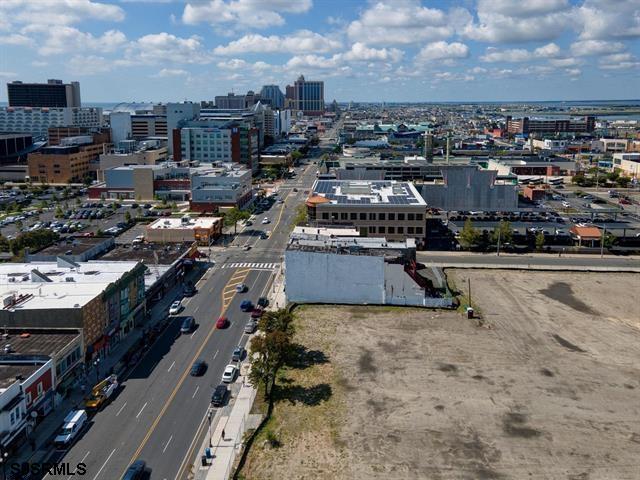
[[250, 265]]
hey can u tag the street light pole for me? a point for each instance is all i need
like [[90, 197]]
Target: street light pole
[[604, 232], [209, 419]]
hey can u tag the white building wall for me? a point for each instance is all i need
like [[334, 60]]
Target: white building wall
[[120, 126]]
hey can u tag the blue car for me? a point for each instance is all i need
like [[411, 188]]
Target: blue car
[[246, 306]]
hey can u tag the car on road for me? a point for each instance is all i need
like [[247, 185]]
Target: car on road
[[135, 471], [190, 290], [246, 306], [241, 288], [229, 374], [238, 353], [257, 313], [219, 395], [188, 324], [265, 220], [246, 248], [198, 368], [295, 189], [222, 322], [263, 302], [175, 307], [251, 326], [248, 223]]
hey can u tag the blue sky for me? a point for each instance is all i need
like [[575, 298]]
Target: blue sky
[[386, 50]]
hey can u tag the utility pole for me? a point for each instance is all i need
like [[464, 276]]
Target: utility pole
[[604, 232], [499, 235], [469, 289]]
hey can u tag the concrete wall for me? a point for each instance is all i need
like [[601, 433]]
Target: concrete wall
[[312, 277]]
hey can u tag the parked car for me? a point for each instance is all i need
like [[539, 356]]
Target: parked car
[[222, 322], [229, 374], [263, 302], [175, 307], [251, 326], [219, 395], [198, 368], [256, 313], [238, 353]]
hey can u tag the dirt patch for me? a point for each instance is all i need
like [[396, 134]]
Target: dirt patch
[[562, 292], [417, 394]]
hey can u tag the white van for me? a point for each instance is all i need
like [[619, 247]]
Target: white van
[[566, 204], [74, 422]]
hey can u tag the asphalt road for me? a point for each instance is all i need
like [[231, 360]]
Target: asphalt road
[[160, 408]]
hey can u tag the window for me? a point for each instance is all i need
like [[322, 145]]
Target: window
[[391, 230], [392, 216], [40, 388], [419, 230], [372, 229], [401, 216], [381, 229], [400, 229], [343, 216], [363, 216], [353, 215], [28, 396], [418, 216], [381, 216], [410, 230], [334, 215], [372, 216], [411, 216]]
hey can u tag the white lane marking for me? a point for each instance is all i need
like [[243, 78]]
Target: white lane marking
[[104, 464], [215, 354], [194, 393], [168, 442], [174, 362], [73, 474], [195, 310], [141, 409], [194, 332], [121, 408]]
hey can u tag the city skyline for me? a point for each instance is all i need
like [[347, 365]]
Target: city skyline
[[401, 51]]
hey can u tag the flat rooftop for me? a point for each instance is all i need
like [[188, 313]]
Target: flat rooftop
[[368, 192], [71, 246], [182, 224], [327, 232], [374, 246], [55, 285], [148, 253]]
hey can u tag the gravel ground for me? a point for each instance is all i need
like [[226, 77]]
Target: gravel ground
[[548, 388]]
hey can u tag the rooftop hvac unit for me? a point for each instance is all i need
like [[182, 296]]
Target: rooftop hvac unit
[[69, 279]]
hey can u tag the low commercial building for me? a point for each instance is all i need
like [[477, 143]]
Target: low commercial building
[[391, 209], [628, 163], [356, 270], [141, 156], [219, 188], [586, 236], [76, 249], [536, 166], [202, 230], [103, 300]]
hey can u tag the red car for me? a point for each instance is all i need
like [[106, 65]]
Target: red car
[[257, 313], [222, 322]]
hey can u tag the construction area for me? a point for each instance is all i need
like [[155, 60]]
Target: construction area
[[547, 386]]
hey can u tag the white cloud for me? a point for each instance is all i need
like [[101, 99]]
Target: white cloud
[[158, 48], [585, 48], [508, 21], [89, 65], [359, 51], [59, 12], [17, 40], [170, 72], [242, 13], [64, 39], [442, 51], [400, 22], [602, 19], [8, 74], [573, 72], [566, 62], [618, 61], [493, 55], [302, 41], [550, 50]]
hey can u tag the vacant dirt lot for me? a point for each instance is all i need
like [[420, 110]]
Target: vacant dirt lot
[[548, 389]]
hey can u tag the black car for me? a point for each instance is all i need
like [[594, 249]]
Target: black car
[[135, 470], [198, 368], [189, 290], [263, 302], [219, 395]]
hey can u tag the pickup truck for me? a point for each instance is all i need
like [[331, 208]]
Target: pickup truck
[[101, 393]]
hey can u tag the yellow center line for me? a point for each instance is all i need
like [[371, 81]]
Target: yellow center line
[[177, 387], [275, 227]]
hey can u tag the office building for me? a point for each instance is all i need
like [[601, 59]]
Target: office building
[[121, 127], [306, 96], [103, 300], [70, 162], [142, 155], [176, 113], [144, 183], [37, 121], [389, 209], [57, 135], [230, 101], [218, 188], [273, 95], [537, 126], [628, 163], [54, 93]]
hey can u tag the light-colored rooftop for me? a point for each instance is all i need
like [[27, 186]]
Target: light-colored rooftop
[[368, 192], [184, 223], [55, 285], [327, 232]]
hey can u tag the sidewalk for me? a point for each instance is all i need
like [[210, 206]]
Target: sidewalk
[[49, 426]]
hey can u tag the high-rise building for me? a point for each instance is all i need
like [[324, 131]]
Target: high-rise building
[[54, 93], [230, 101], [273, 94], [306, 96], [37, 120]]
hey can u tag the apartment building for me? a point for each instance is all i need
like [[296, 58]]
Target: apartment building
[[37, 121], [54, 93], [390, 209], [526, 126]]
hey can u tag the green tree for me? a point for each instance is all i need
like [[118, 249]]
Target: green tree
[[469, 236], [539, 241], [296, 155], [59, 213], [503, 231], [127, 216], [623, 182], [233, 216], [301, 217]]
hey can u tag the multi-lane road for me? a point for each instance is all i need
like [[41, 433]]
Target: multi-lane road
[[157, 415]]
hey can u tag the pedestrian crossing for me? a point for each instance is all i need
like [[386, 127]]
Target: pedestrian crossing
[[255, 266]]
